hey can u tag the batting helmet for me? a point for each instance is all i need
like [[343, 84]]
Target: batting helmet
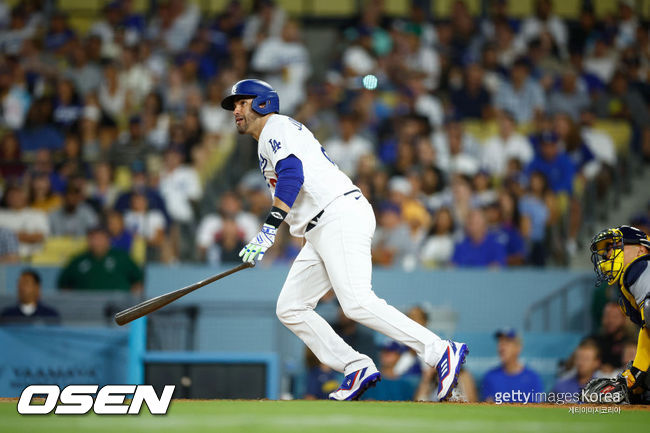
[[265, 98]]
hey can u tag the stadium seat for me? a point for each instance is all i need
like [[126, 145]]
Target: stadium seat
[[141, 6], [396, 8], [294, 8], [214, 6], [569, 9], [81, 24], [521, 8], [442, 8], [619, 130], [479, 129], [122, 178], [605, 8], [526, 128], [333, 8], [93, 6], [57, 250], [645, 10], [139, 250]]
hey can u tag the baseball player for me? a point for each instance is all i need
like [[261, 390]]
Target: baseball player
[[621, 256], [321, 204]]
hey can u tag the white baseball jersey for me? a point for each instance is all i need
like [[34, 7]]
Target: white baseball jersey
[[323, 181]]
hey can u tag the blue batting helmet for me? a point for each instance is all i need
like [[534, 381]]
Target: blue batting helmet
[[265, 98]]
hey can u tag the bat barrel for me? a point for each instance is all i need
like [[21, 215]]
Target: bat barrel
[[153, 304]]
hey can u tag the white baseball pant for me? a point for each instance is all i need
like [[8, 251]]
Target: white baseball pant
[[337, 255]]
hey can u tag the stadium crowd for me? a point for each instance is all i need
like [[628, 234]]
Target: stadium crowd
[[480, 141], [476, 139]]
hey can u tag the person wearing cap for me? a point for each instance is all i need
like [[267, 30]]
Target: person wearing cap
[[521, 382], [554, 163], [101, 267], [620, 256]]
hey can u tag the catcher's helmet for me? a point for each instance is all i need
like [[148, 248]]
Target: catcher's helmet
[[265, 99], [607, 250]]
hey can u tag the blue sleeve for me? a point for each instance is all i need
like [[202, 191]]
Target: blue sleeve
[[569, 173], [290, 179]]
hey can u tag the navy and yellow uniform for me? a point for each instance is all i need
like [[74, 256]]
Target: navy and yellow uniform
[[632, 275]]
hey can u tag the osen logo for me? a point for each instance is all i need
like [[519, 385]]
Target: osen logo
[[80, 399]]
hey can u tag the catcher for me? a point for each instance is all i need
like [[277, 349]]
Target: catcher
[[622, 256]]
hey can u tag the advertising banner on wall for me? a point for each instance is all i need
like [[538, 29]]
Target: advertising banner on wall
[[61, 356]]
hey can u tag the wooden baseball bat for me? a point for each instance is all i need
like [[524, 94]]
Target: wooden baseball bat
[[153, 304]]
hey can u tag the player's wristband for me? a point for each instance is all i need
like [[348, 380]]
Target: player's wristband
[[276, 216]]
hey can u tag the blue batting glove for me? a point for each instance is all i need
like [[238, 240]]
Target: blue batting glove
[[259, 244]]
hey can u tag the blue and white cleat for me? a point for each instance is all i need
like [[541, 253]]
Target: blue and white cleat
[[356, 383], [448, 368]]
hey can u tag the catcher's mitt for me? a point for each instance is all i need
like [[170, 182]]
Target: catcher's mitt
[[606, 390]]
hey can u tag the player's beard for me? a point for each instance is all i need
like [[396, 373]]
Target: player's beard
[[243, 125]]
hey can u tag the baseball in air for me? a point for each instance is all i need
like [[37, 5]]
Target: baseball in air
[[370, 82]]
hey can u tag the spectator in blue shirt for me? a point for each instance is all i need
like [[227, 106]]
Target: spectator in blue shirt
[[59, 34], [478, 248], [39, 132], [521, 383], [504, 220], [121, 238], [553, 163], [586, 360]]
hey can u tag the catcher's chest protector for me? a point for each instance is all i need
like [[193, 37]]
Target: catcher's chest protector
[[626, 299]]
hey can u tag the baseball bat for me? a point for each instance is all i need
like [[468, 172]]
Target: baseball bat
[[153, 304]]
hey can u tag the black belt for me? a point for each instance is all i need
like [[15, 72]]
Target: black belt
[[315, 219]]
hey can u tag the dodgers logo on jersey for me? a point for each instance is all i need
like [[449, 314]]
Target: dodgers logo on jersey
[[275, 145]]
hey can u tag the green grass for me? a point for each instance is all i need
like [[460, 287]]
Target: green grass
[[326, 416]]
